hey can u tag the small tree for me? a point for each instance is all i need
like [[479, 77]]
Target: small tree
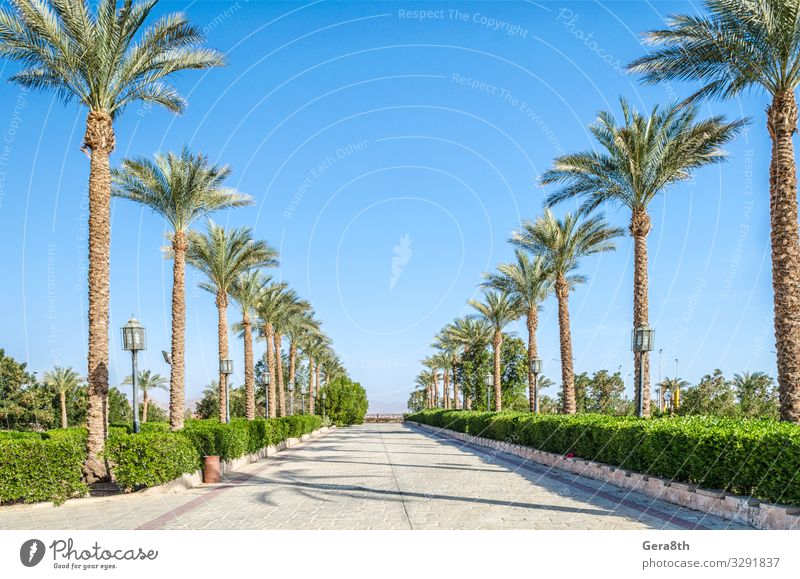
[[345, 401], [756, 394], [712, 395]]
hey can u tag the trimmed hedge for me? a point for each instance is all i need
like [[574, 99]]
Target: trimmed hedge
[[150, 458], [48, 466], [759, 458], [34, 470]]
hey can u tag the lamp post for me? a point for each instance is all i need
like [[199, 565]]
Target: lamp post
[[226, 369], [489, 381], [133, 340], [641, 341], [323, 405], [536, 369], [291, 397], [266, 393], [302, 400]]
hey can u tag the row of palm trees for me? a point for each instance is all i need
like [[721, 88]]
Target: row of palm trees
[[736, 46], [103, 55]]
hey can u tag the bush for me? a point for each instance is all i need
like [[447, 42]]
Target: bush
[[345, 401], [760, 458], [151, 458], [18, 434], [34, 470]]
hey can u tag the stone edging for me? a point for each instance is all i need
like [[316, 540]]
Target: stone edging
[[740, 509], [188, 480]]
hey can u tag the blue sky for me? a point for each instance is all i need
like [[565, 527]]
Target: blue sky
[[358, 125]]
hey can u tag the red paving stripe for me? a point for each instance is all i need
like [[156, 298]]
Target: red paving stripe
[[161, 520]]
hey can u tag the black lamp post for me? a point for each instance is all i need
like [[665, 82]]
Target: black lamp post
[[226, 369], [536, 369], [323, 405], [489, 381], [642, 341], [291, 397], [133, 340]]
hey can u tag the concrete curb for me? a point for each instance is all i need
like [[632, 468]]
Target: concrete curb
[[745, 510], [186, 481]]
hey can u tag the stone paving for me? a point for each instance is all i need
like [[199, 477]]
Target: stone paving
[[377, 476]]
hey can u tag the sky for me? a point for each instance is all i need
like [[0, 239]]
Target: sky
[[391, 148]]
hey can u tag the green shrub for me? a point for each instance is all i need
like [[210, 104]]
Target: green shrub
[[19, 434], [151, 458], [345, 401], [154, 427], [34, 470], [760, 458], [78, 434]]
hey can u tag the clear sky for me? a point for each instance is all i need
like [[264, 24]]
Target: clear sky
[[368, 126]]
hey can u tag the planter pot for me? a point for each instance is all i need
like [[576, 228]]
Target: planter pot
[[211, 472]]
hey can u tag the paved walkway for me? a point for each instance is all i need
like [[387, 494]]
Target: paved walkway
[[377, 476]]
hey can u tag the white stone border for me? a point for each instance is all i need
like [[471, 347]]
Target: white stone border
[[188, 480], [740, 509]]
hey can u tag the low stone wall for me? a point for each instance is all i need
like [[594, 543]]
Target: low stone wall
[[746, 510]]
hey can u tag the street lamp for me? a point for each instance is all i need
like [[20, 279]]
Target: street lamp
[[302, 399], [642, 340], [133, 340], [323, 405], [536, 369], [291, 397], [226, 369], [266, 394], [489, 381]]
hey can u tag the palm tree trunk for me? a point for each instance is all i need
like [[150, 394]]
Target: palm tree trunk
[[145, 402], [497, 343], [532, 321], [446, 387], [177, 367], [292, 366], [270, 354], [317, 370], [249, 369], [567, 373], [311, 385], [782, 124], [62, 396], [639, 228], [278, 338], [222, 337], [99, 139], [456, 401]]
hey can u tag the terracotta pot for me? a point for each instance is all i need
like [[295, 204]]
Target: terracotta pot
[[211, 472]]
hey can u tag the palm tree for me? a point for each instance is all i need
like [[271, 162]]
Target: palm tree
[[443, 362], [674, 385], [223, 255], [424, 380], [268, 310], [742, 45], [529, 282], [94, 58], [639, 159], [182, 189], [470, 332], [146, 381], [432, 364], [63, 381], [447, 344], [563, 243], [247, 290], [499, 309], [289, 305]]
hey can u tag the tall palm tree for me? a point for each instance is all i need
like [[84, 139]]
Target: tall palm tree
[[639, 159], [739, 45], [529, 282], [223, 255], [424, 380], [268, 310], [563, 243], [443, 362], [247, 290], [182, 188], [63, 381], [447, 343], [469, 333], [289, 305], [146, 381], [94, 57], [299, 323], [499, 309], [432, 364]]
